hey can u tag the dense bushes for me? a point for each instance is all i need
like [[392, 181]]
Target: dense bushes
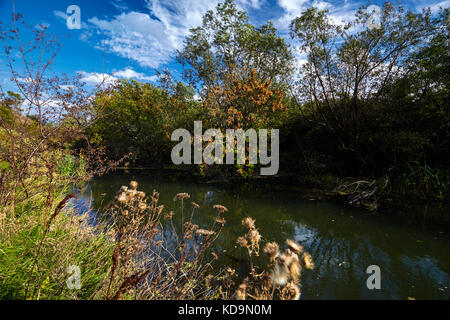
[[139, 119]]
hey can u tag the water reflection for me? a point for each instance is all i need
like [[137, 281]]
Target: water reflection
[[414, 261]]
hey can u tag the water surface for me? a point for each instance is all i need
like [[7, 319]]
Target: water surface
[[414, 258]]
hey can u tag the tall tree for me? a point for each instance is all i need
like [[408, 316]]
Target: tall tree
[[226, 43], [348, 66]]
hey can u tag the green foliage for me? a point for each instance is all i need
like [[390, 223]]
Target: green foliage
[[70, 241], [419, 181], [139, 118], [70, 166], [9, 104], [226, 42]]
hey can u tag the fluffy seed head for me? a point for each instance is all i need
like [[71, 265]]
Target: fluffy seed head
[[133, 185], [271, 250], [294, 246], [241, 241], [181, 196], [308, 261], [292, 291], [255, 237], [249, 223], [220, 208], [122, 198], [241, 290], [140, 194]]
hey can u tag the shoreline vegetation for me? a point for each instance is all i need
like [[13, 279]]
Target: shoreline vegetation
[[367, 102]]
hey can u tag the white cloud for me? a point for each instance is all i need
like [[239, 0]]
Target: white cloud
[[255, 4], [119, 5], [294, 8], [129, 73], [435, 6], [60, 14], [94, 78], [152, 38]]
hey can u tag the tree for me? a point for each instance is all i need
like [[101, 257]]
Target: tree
[[227, 44], [139, 119], [243, 103], [349, 67]]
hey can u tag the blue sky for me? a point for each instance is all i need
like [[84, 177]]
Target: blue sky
[[131, 39]]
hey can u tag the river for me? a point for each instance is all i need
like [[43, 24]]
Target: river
[[413, 258]]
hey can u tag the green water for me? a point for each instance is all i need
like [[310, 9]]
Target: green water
[[414, 259]]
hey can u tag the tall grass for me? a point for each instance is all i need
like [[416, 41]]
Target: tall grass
[[34, 256]]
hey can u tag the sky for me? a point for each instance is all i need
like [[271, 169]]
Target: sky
[[132, 39]]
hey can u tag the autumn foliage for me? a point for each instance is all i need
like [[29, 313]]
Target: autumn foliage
[[243, 102]]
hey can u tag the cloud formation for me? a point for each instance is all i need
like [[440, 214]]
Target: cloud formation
[[129, 73], [151, 38], [95, 78]]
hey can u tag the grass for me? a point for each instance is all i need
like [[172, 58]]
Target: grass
[[34, 259]]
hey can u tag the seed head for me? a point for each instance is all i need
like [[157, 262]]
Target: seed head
[[169, 215], [122, 198], [230, 271], [181, 196], [133, 185], [221, 221], [142, 206], [220, 208], [242, 241], [308, 261], [255, 237], [249, 223], [140, 194], [271, 250], [241, 290], [294, 246], [291, 291], [195, 205]]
